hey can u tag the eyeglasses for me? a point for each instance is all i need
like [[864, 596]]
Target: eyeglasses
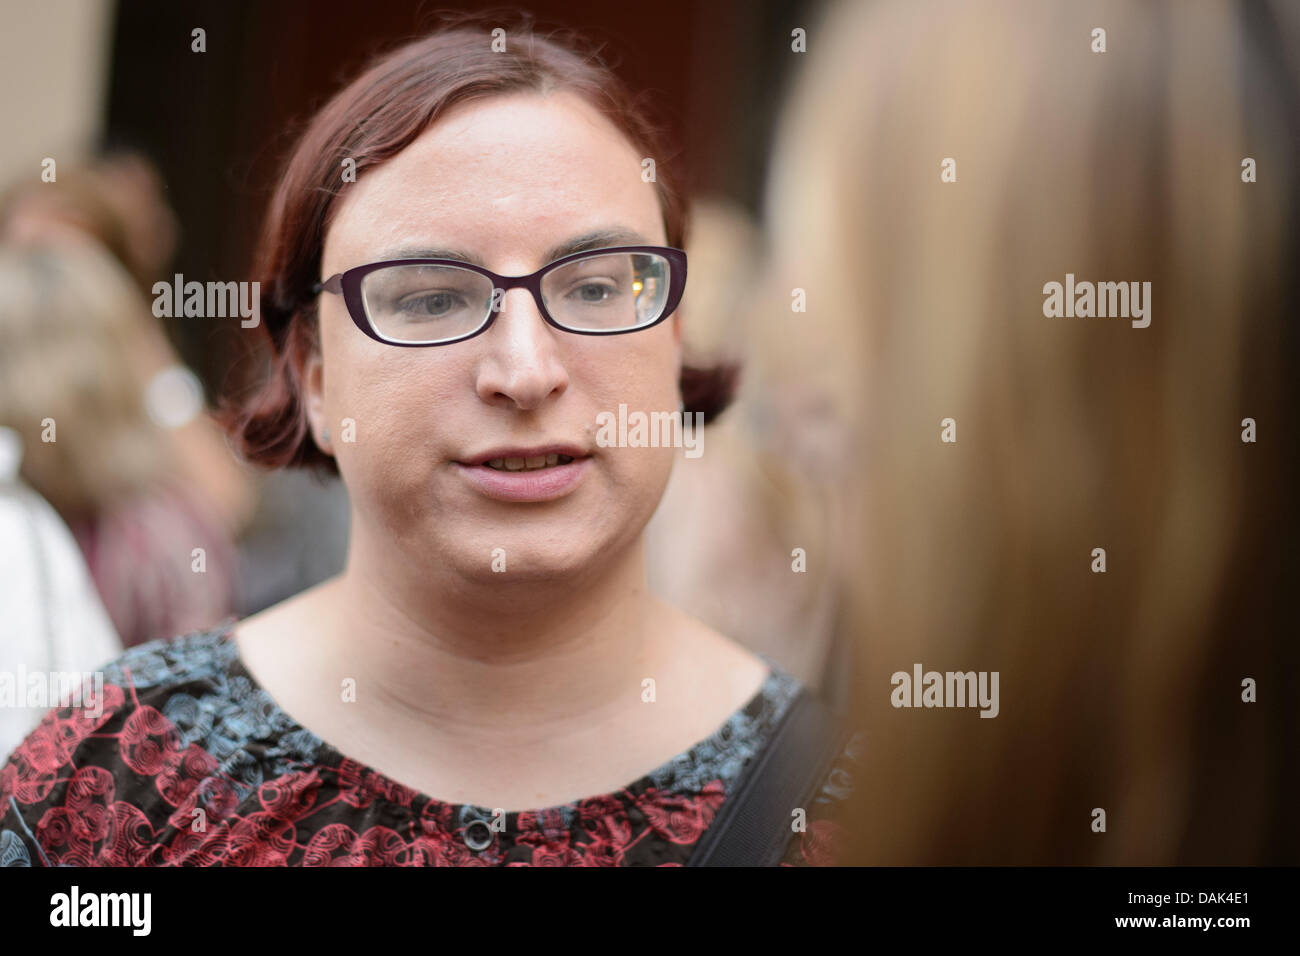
[[417, 302]]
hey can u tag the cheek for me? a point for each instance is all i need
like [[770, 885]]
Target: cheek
[[642, 376], [641, 373], [382, 404]]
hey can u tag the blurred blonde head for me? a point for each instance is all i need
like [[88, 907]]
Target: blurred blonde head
[[74, 351], [925, 302], [117, 202]]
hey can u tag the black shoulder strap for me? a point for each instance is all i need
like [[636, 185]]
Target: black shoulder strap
[[752, 827]]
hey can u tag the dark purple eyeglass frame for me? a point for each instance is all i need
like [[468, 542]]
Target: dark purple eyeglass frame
[[349, 285]]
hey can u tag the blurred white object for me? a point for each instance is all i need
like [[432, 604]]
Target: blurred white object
[[52, 620], [11, 454], [174, 397]]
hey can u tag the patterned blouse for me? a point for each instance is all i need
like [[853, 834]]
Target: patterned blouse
[[191, 763]]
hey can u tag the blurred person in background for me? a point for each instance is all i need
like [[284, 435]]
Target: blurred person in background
[[1120, 691], [79, 358], [756, 493], [117, 200], [290, 527], [53, 620], [116, 203], [138, 195]]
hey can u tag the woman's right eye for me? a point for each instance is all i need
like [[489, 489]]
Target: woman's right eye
[[429, 304]]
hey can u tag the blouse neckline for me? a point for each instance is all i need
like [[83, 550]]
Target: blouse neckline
[[711, 758]]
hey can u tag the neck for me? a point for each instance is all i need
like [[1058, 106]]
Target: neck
[[481, 657]]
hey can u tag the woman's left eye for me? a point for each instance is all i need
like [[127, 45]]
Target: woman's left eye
[[592, 293]]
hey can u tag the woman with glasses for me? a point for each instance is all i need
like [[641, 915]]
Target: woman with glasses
[[470, 256]]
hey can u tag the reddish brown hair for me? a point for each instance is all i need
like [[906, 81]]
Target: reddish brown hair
[[370, 121]]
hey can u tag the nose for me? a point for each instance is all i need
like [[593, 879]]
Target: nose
[[521, 366]]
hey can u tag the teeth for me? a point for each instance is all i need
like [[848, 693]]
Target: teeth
[[528, 464]]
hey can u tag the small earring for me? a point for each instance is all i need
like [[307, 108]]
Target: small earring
[[681, 407], [324, 434]]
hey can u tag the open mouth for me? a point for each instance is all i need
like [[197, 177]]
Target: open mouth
[[527, 474], [537, 463]]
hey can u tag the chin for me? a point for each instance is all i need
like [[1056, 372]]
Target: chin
[[516, 559]]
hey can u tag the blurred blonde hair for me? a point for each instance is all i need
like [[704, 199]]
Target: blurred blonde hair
[[752, 498], [1119, 690], [79, 200], [73, 348]]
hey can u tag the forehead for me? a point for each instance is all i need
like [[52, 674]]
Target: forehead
[[505, 177]]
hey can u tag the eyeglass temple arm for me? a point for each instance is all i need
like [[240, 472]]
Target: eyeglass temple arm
[[333, 284]]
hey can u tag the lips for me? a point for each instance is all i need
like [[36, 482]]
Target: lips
[[541, 473]]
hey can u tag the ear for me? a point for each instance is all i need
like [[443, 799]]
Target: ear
[[310, 372]]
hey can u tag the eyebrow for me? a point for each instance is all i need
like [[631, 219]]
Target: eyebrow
[[599, 239]]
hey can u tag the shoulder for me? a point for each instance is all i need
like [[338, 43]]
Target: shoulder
[[130, 727], [198, 656]]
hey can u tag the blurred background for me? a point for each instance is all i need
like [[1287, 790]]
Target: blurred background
[[815, 172]]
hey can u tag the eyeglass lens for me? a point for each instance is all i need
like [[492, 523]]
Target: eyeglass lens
[[599, 293]]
